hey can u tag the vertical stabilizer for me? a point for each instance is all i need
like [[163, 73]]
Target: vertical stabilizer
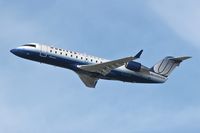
[[167, 65]]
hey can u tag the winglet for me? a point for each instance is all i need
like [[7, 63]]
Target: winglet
[[138, 54]]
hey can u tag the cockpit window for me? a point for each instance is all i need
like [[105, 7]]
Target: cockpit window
[[31, 45]]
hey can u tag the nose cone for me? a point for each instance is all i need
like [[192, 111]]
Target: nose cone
[[13, 51], [16, 52]]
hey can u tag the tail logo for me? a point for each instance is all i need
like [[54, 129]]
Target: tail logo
[[165, 67]]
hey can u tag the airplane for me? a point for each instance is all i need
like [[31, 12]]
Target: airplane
[[90, 68]]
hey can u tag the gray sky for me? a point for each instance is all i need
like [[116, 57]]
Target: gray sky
[[45, 99]]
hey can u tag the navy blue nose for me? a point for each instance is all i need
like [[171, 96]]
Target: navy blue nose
[[19, 52], [13, 51]]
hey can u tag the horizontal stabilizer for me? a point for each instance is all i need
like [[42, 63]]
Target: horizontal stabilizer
[[180, 59]]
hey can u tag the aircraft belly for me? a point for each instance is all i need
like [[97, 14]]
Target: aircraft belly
[[128, 77]]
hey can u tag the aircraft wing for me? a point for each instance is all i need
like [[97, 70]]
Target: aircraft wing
[[88, 80], [106, 67]]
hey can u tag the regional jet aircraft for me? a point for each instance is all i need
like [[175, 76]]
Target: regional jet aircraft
[[90, 68]]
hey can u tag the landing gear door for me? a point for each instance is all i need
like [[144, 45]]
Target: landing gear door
[[43, 50]]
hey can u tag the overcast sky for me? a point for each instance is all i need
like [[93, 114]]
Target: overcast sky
[[38, 98]]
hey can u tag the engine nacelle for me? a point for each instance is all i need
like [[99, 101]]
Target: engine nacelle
[[134, 66]]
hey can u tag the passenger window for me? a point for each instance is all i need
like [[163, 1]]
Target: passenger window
[[61, 53], [56, 52]]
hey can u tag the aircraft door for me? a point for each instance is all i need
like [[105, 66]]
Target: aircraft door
[[43, 50]]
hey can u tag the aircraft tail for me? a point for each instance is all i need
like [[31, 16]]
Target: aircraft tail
[[167, 65]]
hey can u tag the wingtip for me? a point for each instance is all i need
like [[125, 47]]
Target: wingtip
[[139, 54]]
